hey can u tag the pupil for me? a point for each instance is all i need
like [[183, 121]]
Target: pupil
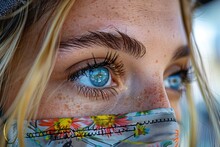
[[175, 82], [99, 76]]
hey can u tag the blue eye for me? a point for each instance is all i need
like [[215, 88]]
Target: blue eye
[[95, 77], [174, 82]]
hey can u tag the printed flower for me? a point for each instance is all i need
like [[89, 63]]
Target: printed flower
[[176, 139], [47, 137], [141, 130], [59, 128], [141, 113], [104, 120], [63, 123], [108, 122], [80, 134], [166, 143], [59, 124]]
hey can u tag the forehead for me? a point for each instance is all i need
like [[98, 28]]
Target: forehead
[[146, 20]]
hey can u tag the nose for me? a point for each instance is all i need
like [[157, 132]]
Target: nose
[[152, 95], [155, 96], [144, 95]]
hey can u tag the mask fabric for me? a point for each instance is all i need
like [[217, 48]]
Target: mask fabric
[[152, 128]]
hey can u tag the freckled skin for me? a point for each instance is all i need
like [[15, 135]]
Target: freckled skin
[[157, 24]]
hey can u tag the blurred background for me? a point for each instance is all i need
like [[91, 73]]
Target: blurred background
[[206, 27]]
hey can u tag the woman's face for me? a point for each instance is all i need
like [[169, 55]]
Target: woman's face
[[117, 57]]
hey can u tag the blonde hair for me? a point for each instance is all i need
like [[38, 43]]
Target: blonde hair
[[35, 82]]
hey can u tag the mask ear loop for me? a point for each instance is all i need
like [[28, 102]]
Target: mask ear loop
[[5, 136]]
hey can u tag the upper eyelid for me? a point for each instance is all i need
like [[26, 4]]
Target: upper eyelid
[[82, 70], [189, 74], [69, 70], [119, 41], [181, 52], [110, 58]]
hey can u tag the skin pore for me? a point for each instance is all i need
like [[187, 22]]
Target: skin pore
[[155, 25]]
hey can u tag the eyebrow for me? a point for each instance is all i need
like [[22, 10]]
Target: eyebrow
[[181, 52], [117, 41]]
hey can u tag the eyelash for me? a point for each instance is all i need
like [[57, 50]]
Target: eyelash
[[187, 75], [110, 62]]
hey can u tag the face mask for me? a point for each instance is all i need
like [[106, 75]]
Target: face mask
[[152, 128]]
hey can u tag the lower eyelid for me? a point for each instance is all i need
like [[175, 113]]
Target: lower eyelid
[[97, 93], [176, 92]]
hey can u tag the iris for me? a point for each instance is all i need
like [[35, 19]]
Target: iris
[[99, 76], [174, 82], [96, 77]]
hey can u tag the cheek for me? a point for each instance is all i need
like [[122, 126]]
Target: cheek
[[62, 105], [174, 99]]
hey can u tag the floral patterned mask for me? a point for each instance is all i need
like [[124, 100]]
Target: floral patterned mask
[[152, 128]]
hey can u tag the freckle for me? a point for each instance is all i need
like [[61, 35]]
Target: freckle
[[59, 94], [66, 106], [164, 55], [116, 13], [161, 96], [145, 91], [113, 7], [86, 107], [155, 75], [156, 61], [137, 104], [148, 31]]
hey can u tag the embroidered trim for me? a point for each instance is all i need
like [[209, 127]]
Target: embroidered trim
[[72, 133]]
